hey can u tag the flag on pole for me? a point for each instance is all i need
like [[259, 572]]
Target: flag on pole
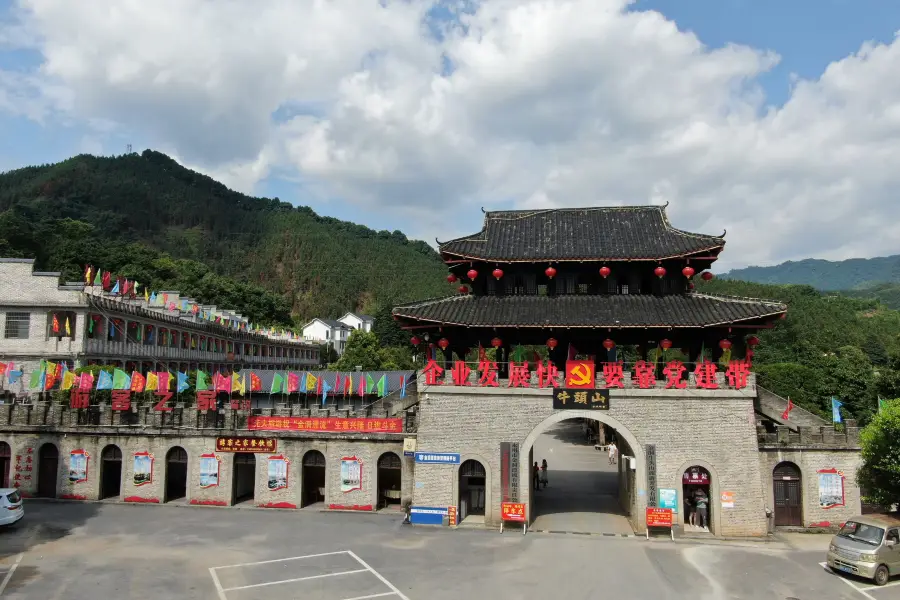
[[183, 384], [202, 381], [68, 380], [255, 383], [787, 411], [348, 385], [152, 383], [403, 386], [310, 382], [121, 380], [277, 384], [137, 382], [362, 385], [115, 289], [12, 376], [293, 383], [836, 410], [68, 327], [325, 389], [163, 377], [85, 382], [382, 386], [104, 381], [370, 384], [87, 275]]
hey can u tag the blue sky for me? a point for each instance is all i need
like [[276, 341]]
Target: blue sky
[[807, 34]]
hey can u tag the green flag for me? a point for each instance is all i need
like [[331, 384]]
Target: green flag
[[121, 380], [382, 386], [36, 377], [882, 404], [277, 384], [202, 381], [370, 384], [98, 280]]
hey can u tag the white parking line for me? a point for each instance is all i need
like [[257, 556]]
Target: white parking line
[[266, 562], [256, 585], [381, 595], [855, 584], [9, 574]]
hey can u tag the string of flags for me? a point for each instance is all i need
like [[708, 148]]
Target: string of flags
[[124, 288], [57, 376]]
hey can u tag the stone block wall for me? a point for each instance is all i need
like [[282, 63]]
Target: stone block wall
[[711, 428]]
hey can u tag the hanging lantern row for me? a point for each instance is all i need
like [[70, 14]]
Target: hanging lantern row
[[609, 344], [706, 276], [605, 272], [665, 344], [552, 343], [550, 272], [472, 274], [496, 342], [688, 272], [498, 273], [443, 343], [660, 271]]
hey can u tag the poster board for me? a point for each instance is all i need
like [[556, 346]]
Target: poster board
[[351, 474]]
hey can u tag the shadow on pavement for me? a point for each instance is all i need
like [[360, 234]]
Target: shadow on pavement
[[44, 521]]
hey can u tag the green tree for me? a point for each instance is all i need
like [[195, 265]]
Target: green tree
[[396, 358], [362, 350], [880, 441]]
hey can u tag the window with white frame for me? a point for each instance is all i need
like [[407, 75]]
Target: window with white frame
[[17, 325]]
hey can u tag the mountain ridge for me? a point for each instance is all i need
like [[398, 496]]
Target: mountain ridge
[[825, 275]]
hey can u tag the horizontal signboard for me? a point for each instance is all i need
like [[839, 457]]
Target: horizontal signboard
[[427, 515], [437, 458], [513, 511], [569, 399], [243, 443], [659, 517], [328, 424]]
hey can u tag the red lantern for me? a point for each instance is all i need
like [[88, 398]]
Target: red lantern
[[443, 343], [451, 278], [665, 344], [472, 274], [463, 289], [609, 344], [725, 344], [706, 276], [498, 273], [551, 343], [752, 341], [604, 272], [690, 286], [414, 341], [688, 272], [660, 271], [550, 272], [496, 342]]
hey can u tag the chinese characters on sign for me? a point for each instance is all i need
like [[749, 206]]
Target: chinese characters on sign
[[437, 458], [582, 374], [240, 443], [564, 399], [351, 474], [659, 517], [24, 468], [831, 488], [333, 424], [513, 511]]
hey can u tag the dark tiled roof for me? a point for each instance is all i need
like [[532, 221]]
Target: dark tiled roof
[[605, 233], [618, 311]]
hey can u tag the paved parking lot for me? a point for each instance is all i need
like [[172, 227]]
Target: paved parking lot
[[123, 552]]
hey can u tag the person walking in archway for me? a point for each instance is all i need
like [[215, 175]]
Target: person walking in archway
[[536, 476], [701, 501], [613, 451], [544, 472]]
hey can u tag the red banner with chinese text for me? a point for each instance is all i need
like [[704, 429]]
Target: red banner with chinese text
[[659, 517], [512, 511], [332, 424]]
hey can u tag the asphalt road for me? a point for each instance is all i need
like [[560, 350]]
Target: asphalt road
[[98, 551]]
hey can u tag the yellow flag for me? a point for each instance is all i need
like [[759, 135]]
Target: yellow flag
[[310, 382], [68, 380], [172, 379], [237, 384], [68, 328], [152, 381], [147, 295]]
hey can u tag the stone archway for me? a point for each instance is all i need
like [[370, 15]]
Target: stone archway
[[638, 502], [715, 486], [488, 484]]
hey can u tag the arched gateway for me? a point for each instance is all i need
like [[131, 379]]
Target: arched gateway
[[588, 314]]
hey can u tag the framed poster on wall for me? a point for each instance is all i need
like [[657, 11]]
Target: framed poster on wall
[[351, 474], [278, 472], [78, 465], [209, 470], [143, 468], [831, 488]]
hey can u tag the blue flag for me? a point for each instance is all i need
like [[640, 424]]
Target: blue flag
[[403, 386], [104, 381], [115, 289], [836, 410], [325, 389], [112, 329], [13, 376], [182, 382]]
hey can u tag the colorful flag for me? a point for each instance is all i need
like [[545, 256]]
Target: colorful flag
[[86, 382], [836, 410], [55, 324], [403, 386], [68, 327], [311, 382], [382, 386], [163, 377], [104, 381], [202, 381], [137, 382], [293, 383], [348, 385], [255, 383], [121, 380], [98, 278], [183, 384], [223, 384], [787, 411], [147, 295], [319, 383], [87, 275], [12, 376], [362, 385], [152, 383], [239, 384], [115, 289], [882, 404], [3, 368], [277, 384], [325, 389], [38, 377], [68, 380], [370, 384]]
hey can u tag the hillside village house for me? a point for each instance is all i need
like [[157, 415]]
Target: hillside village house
[[336, 332]]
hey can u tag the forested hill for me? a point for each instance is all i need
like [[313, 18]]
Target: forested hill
[[854, 273], [147, 217]]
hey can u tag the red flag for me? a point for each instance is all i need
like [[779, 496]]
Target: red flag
[[55, 324], [787, 412], [319, 385], [362, 385], [106, 280], [337, 383], [348, 385], [255, 383]]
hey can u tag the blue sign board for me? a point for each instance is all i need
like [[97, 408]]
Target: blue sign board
[[427, 515], [668, 498], [437, 458]]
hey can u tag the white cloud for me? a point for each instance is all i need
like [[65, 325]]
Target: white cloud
[[519, 103]]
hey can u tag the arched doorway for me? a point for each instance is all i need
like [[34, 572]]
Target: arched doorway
[[696, 495], [48, 469], [176, 473], [244, 477], [389, 479], [787, 488], [110, 472], [5, 464], [472, 482], [313, 478], [586, 491]]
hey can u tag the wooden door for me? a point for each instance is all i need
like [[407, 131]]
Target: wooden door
[[48, 465], [788, 492]]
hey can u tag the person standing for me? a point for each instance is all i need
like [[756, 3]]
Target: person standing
[[701, 501], [613, 451], [536, 476], [544, 472]]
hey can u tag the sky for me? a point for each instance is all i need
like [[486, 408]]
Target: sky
[[778, 122]]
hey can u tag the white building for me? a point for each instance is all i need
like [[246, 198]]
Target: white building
[[355, 321], [327, 331]]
